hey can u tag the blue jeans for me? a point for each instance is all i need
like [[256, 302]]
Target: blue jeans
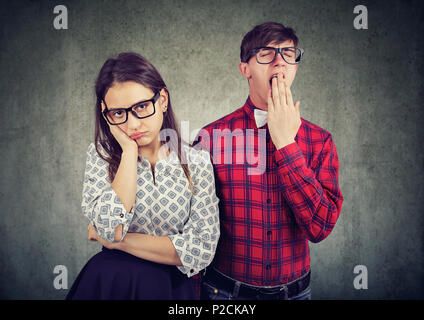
[[212, 292]]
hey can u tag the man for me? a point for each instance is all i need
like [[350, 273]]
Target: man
[[268, 213]]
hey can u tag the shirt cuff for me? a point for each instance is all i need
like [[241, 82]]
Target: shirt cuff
[[111, 214], [190, 265], [289, 158]]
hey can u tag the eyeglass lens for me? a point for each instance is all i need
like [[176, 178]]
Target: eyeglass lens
[[142, 110], [290, 55]]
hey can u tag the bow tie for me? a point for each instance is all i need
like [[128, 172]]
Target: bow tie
[[261, 117]]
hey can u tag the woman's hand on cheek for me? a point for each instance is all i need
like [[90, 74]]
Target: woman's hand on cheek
[[121, 137]]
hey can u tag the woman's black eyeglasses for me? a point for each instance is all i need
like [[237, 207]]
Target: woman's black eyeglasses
[[142, 109]]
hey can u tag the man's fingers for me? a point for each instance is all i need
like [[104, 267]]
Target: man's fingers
[[270, 103], [296, 106], [282, 90], [289, 97], [275, 93]]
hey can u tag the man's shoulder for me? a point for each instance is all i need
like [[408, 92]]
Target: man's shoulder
[[226, 121], [311, 129]]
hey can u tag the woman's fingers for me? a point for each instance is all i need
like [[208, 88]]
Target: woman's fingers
[[92, 234]]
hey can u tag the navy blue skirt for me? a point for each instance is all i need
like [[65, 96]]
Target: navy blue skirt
[[117, 275]]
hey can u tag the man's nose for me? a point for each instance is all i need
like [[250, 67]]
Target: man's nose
[[279, 60]]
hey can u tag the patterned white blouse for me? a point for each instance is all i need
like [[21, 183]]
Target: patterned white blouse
[[164, 205]]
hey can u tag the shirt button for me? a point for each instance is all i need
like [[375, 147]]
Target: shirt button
[[269, 233], [121, 215], [191, 270], [268, 266], [268, 200]]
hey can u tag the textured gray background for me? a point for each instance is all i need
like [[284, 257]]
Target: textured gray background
[[364, 86]]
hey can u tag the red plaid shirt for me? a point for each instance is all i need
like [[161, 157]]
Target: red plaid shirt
[[267, 219]]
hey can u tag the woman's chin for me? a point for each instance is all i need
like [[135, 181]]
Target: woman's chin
[[142, 142]]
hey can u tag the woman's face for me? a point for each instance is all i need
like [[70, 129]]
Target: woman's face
[[126, 94]]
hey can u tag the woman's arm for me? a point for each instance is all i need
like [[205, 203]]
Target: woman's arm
[[125, 184], [192, 248], [125, 181], [197, 240], [108, 206], [153, 248]]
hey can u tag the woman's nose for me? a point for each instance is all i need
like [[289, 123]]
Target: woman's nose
[[133, 121]]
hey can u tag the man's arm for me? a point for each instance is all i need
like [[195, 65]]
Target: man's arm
[[314, 196]]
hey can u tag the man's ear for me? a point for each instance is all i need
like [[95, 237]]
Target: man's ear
[[244, 70]]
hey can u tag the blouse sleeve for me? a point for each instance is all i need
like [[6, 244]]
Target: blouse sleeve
[[196, 242], [100, 204]]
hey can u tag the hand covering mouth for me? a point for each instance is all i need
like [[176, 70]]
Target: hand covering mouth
[[275, 75]]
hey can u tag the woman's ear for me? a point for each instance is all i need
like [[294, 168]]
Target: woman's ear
[[244, 70], [163, 99], [103, 109]]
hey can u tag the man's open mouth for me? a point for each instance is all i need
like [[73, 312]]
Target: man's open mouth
[[275, 75]]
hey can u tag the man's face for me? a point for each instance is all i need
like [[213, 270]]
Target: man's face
[[259, 75]]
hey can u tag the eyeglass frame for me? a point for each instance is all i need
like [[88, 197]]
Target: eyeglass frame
[[276, 51], [153, 100]]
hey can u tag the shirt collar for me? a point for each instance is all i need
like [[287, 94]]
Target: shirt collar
[[162, 163], [249, 109]]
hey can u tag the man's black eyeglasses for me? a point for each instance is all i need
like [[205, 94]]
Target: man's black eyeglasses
[[266, 55], [142, 109]]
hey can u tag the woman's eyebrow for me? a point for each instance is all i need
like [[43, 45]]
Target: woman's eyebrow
[[141, 101], [133, 105]]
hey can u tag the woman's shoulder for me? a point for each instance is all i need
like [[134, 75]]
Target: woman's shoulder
[[196, 158], [94, 153], [196, 155]]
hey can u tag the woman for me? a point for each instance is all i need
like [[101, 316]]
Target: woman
[[151, 203]]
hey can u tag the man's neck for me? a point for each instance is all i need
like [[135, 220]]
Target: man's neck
[[257, 101]]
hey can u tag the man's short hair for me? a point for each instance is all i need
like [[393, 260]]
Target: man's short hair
[[263, 34]]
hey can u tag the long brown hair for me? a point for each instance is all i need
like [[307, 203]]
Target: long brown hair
[[130, 66]]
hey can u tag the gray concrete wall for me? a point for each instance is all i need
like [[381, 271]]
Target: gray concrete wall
[[364, 86]]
